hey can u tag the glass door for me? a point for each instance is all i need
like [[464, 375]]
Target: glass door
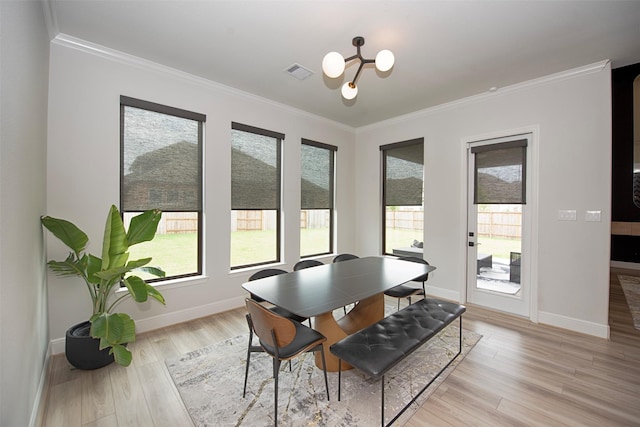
[[497, 212]]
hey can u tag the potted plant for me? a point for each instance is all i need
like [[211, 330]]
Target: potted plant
[[108, 332]]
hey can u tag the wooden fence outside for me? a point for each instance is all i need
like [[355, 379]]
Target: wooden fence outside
[[502, 225]]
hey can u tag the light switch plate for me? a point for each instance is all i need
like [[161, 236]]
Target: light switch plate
[[567, 215], [594, 216]]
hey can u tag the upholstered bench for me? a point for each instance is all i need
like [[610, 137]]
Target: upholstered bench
[[379, 347]]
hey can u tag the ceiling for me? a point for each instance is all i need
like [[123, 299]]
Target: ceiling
[[444, 50]]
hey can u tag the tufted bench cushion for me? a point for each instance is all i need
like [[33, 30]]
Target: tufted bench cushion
[[377, 348]]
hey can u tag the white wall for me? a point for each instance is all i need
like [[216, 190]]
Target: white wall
[[83, 172], [24, 339], [572, 112]]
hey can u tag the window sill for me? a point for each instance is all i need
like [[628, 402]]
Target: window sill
[[174, 283]]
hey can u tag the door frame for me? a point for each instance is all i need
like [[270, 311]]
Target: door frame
[[529, 270]]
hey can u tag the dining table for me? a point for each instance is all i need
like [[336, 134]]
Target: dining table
[[317, 292]]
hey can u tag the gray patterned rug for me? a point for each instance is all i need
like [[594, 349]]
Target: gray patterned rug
[[631, 287], [210, 383]]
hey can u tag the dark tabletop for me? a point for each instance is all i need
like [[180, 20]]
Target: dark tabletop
[[316, 290]]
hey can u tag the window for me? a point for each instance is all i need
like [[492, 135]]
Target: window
[[161, 168], [317, 185], [402, 196], [255, 195]]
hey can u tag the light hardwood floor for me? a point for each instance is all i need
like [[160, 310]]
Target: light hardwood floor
[[519, 374]]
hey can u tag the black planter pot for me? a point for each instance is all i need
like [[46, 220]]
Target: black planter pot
[[83, 351]]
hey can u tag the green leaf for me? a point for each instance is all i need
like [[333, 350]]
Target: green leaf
[[115, 239], [121, 355], [143, 227], [154, 293], [94, 264], [69, 267], [67, 232], [137, 287], [114, 328], [156, 271], [119, 270]]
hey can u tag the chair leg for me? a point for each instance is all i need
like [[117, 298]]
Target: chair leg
[[324, 368], [246, 370], [398, 304], [276, 369]]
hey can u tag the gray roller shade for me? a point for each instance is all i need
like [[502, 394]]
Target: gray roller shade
[[162, 167], [403, 173], [500, 173], [255, 170], [317, 175]]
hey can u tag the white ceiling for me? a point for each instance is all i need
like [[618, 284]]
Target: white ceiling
[[444, 50]]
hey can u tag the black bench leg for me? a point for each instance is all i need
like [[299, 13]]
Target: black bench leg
[[382, 402], [339, 377]]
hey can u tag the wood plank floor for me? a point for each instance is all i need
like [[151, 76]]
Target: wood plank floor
[[519, 374]]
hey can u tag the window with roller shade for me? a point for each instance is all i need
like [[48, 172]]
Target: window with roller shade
[[317, 190], [161, 168], [402, 196], [500, 173], [256, 175]]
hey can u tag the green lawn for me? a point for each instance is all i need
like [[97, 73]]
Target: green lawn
[[176, 253]]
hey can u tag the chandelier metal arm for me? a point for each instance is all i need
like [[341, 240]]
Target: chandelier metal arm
[[358, 42]]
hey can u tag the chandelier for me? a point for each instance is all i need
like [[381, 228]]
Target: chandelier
[[333, 66]]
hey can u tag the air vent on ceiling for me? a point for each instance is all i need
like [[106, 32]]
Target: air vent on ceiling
[[298, 71]]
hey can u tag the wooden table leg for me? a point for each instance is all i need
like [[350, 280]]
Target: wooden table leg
[[365, 313]]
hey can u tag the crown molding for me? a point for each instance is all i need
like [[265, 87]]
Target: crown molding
[[50, 18], [135, 61], [563, 75]]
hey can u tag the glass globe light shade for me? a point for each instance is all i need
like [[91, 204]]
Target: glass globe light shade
[[333, 64], [384, 60], [349, 92]]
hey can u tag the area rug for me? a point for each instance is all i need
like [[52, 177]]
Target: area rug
[[631, 287], [210, 382]]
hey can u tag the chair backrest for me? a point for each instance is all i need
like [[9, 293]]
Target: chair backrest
[[267, 272], [306, 263], [345, 257], [267, 325], [422, 278]]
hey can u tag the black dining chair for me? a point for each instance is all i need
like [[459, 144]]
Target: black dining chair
[[268, 272], [307, 263], [407, 291], [345, 257], [282, 339]]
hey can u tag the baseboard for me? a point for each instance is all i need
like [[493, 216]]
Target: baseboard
[[175, 317], [151, 323], [443, 293], [576, 325], [40, 399], [624, 264]]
